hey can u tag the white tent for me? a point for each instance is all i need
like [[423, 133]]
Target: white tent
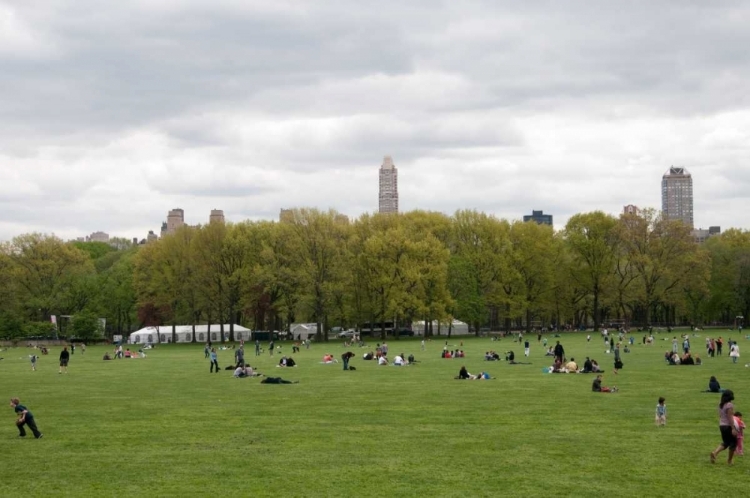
[[303, 331], [184, 333], [457, 328]]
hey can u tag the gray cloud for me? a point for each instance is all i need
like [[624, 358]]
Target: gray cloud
[[113, 115]]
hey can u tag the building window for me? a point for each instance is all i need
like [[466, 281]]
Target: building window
[[200, 337]]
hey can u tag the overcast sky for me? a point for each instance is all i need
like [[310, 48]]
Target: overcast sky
[[113, 113]]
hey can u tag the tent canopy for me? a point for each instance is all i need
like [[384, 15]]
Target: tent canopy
[[184, 333]]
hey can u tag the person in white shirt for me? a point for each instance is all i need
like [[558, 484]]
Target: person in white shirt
[[382, 360], [398, 361]]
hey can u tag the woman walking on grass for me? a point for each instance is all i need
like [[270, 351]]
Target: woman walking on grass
[[726, 426]]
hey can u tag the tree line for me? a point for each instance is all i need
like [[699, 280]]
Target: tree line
[[318, 266]]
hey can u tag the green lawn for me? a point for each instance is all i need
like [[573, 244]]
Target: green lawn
[[165, 426]]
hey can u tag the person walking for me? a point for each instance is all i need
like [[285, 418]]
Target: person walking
[[526, 348], [214, 361], [33, 359], [25, 417], [206, 351], [661, 413], [64, 359], [83, 348], [257, 347], [422, 344], [726, 427], [734, 352], [618, 361], [270, 348], [239, 356]]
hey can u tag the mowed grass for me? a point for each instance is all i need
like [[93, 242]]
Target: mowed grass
[[165, 426]]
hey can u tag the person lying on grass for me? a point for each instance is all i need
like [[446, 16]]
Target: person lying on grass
[[277, 380], [463, 374], [246, 371]]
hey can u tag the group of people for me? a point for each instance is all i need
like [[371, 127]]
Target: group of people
[[685, 359], [458, 353]]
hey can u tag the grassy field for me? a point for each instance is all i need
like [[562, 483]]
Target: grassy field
[[165, 426]]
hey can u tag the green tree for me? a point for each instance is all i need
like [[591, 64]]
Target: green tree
[[592, 239]]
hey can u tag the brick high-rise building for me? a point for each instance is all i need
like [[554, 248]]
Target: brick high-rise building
[[388, 194], [175, 219], [677, 195], [217, 216]]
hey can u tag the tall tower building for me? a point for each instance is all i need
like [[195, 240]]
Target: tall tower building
[[388, 198], [677, 195], [217, 216], [175, 219]]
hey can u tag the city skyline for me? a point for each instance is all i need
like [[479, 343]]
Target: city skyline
[[502, 107]]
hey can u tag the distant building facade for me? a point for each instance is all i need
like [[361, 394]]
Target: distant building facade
[[175, 219], [630, 209], [98, 237], [217, 216], [388, 193], [701, 235], [151, 237], [286, 216], [677, 195], [539, 217]]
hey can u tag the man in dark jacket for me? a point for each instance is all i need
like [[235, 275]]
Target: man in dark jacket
[[559, 352], [345, 358]]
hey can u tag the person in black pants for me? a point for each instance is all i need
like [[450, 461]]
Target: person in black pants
[[214, 361], [24, 418], [64, 359], [559, 352], [346, 357]]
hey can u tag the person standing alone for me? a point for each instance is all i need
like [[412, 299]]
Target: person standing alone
[[214, 361], [64, 359], [24, 418]]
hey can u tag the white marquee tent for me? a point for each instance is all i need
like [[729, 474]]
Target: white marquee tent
[[303, 331], [184, 333]]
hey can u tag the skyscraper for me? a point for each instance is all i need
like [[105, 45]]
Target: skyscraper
[[388, 197], [677, 195], [217, 216], [175, 219]]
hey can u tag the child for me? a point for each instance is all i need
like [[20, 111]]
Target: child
[[33, 359], [661, 413], [24, 418], [739, 425]]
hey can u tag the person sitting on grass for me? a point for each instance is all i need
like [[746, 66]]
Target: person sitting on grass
[[572, 366], [550, 352], [597, 387], [328, 358], [510, 356], [411, 359], [714, 386], [399, 361], [382, 360], [463, 374], [107, 357], [588, 366], [368, 356]]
